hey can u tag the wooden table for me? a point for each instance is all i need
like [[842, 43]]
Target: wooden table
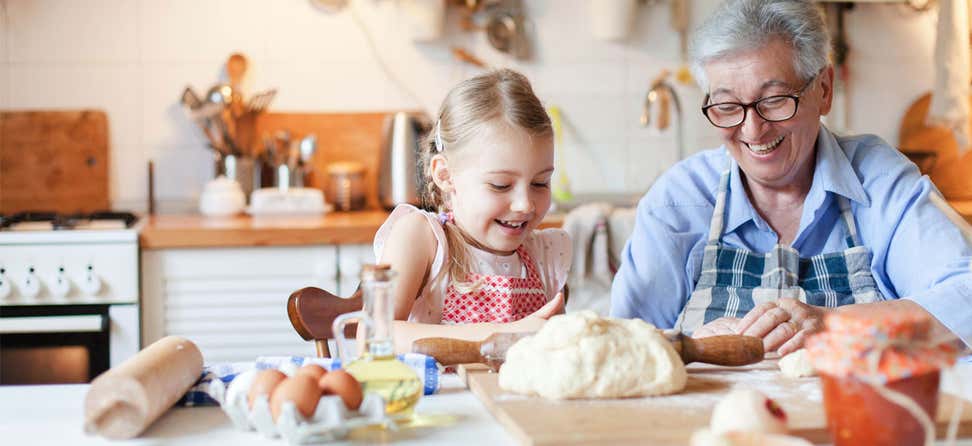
[[671, 419]]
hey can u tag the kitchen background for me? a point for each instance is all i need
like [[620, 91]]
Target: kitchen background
[[133, 58]]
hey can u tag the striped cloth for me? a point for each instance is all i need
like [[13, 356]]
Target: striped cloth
[[198, 395]]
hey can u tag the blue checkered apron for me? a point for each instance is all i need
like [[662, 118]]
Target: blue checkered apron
[[734, 280]]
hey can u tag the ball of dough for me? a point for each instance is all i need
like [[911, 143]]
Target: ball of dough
[[582, 355], [747, 410], [797, 365]]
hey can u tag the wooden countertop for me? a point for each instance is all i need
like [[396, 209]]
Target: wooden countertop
[[333, 228]]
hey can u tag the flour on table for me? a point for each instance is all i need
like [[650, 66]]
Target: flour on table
[[582, 355], [797, 365]]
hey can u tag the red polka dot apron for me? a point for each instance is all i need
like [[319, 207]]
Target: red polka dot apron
[[498, 298]]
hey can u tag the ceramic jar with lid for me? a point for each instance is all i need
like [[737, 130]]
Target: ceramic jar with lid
[[222, 197], [866, 362]]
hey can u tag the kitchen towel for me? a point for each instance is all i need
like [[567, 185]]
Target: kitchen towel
[[198, 395], [598, 232]]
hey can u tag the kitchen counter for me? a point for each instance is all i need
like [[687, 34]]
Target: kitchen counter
[[197, 231], [52, 415]]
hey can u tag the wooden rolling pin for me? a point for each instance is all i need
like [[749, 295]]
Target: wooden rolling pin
[[729, 350], [126, 399]]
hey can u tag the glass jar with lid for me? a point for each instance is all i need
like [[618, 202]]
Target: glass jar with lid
[[880, 373], [345, 185]]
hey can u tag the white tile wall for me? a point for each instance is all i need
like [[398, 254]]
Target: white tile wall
[[59, 31], [4, 85], [4, 56], [181, 31], [4, 35], [133, 58]]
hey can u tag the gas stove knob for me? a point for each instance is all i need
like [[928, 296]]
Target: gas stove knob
[[5, 287], [60, 284], [90, 285], [30, 286]]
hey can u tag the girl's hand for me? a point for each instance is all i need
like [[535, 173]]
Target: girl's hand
[[718, 327], [534, 321]]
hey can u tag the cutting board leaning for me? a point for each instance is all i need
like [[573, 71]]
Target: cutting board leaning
[[59, 158]]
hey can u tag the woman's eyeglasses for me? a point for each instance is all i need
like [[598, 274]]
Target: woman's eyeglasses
[[771, 108]]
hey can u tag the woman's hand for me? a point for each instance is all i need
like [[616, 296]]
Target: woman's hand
[[783, 324], [721, 326], [535, 320]]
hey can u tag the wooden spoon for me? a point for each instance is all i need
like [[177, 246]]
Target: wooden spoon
[[235, 69]]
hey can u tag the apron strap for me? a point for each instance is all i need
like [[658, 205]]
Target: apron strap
[[719, 213], [848, 216], [528, 264]]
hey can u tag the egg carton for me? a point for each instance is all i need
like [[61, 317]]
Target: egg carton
[[331, 420]]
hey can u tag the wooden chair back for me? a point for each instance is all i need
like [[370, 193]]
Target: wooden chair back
[[312, 310]]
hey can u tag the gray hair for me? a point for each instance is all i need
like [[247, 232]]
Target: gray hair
[[742, 25]]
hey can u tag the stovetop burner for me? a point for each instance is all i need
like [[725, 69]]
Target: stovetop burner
[[43, 220]]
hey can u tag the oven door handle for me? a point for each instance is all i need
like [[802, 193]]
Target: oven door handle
[[89, 323]]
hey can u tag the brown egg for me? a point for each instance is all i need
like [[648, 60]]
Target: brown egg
[[313, 370], [344, 385], [301, 389], [263, 384]]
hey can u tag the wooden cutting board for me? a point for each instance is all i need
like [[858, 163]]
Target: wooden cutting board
[[53, 161], [667, 419]]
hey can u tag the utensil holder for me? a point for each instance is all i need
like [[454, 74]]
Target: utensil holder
[[241, 169], [287, 177]]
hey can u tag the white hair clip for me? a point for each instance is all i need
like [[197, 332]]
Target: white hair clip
[[438, 136]]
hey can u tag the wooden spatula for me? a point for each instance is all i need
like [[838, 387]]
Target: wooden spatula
[[728, 350]]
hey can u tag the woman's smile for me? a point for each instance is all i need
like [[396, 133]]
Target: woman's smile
[[764, 149]]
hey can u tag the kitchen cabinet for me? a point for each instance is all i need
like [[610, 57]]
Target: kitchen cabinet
[[232, 301]]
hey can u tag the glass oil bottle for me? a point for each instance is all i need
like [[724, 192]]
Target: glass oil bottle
[[377, 368]]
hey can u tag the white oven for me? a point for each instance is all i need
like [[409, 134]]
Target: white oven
[[69, 296]]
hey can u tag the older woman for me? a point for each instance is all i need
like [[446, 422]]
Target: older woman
[[786, 221]]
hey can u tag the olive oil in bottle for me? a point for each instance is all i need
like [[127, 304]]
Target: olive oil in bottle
[[396, 382], [377, 368]]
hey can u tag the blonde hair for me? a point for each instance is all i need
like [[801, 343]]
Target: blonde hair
[[504, 96]]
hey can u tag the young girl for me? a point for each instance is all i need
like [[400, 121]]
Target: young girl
[[478, 265]]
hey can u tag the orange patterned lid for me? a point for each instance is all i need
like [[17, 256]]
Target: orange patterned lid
[[882, 346]]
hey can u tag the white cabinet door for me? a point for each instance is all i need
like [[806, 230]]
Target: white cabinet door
[[232, 302], [350, 259]]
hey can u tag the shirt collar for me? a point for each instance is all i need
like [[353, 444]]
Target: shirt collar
[[833, 172]]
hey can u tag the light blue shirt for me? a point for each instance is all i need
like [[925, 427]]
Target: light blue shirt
[[919, 254]]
